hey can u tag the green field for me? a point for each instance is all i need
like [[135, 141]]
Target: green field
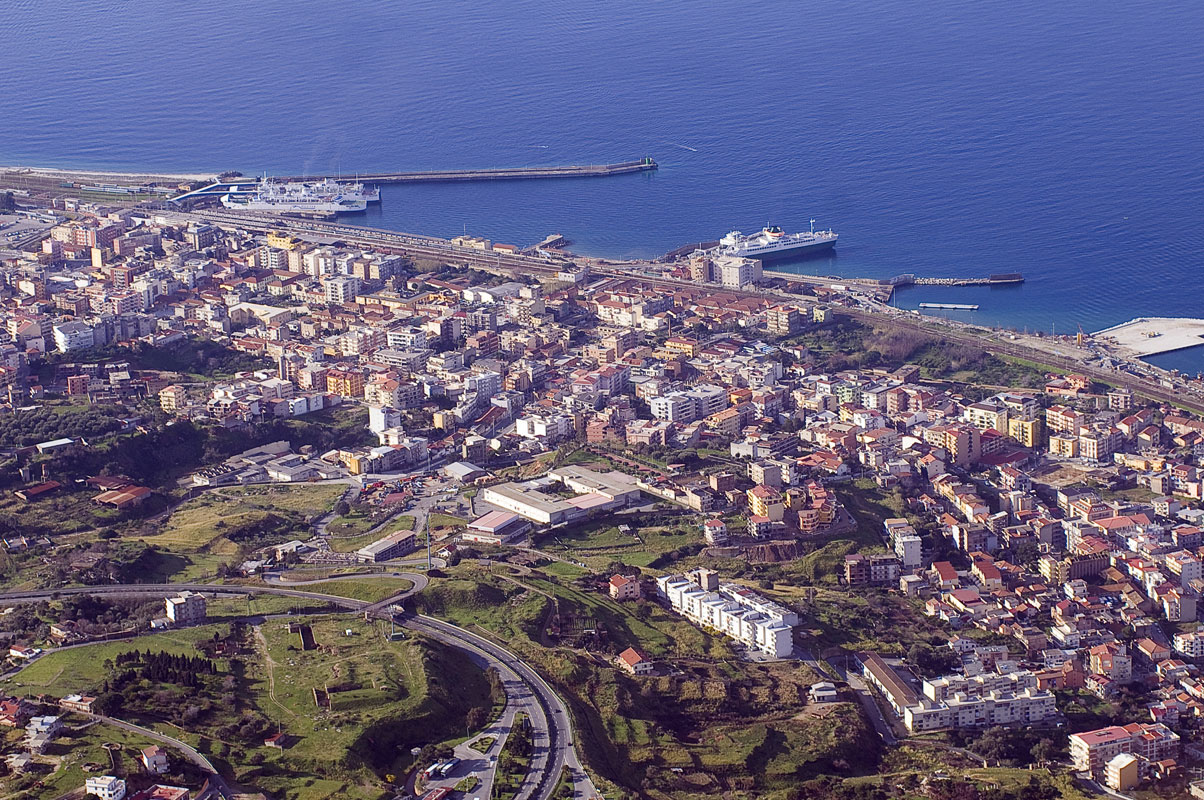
[[80, 669], [369, 590], [445, 523], [198, 524], [351, 543], [385, 697], [599, 543], [226, 608]]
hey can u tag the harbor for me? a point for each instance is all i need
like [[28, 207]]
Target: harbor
[[1148, 336]]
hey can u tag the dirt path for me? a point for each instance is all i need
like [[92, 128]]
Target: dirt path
[[271, 665]]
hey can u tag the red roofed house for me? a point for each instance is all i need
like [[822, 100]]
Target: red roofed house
[[160, 792], [946, 575], [623, 587], [634, 661]]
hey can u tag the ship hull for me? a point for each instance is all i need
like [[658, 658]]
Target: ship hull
[[788, 250], [286, 207]]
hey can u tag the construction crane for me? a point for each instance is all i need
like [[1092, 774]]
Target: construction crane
[[1081, 338]]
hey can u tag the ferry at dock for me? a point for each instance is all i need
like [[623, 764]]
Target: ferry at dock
[[322, 197], [772, 242]]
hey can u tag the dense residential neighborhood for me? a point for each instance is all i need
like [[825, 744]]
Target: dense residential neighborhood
[[1048, 539]]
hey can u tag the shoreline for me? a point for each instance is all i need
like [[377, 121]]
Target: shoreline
[[115, 174]]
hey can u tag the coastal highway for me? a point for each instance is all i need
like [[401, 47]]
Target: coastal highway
[[550, 721], [1027, 348]]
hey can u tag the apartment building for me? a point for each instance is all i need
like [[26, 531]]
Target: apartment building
[[186, 608], [731, 610], [1028, 706], [1190, 645], [861, 569], [1090, 751]]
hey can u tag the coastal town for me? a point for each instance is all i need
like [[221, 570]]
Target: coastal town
[[707, 450]]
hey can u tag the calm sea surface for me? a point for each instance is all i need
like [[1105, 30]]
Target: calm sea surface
[[1062, 140]]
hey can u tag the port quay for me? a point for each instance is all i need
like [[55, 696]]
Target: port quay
[[1147, 336]]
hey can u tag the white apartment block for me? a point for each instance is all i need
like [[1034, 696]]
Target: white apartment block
[[549, 427], [341, 289], [1190, 645], [992, 708], [735, 271], [106, 787], [732, 610], [979, 685], [674, 407]]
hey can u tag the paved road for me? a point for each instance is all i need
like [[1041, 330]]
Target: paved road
[[549, 716]]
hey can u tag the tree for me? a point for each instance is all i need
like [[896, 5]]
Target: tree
[[342, 508], [476, 718], [1046, 751]]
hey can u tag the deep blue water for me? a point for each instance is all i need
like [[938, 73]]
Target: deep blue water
[[942, 138]]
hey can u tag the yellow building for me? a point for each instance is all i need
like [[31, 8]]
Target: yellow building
[[766, 501], [474, 242], [1064, 445], [1123, 772], [682, 344], [1028, 432], [282, 241], [172, 398], [345, 383]]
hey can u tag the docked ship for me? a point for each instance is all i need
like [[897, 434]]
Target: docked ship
[[772, 242], [325, 197]]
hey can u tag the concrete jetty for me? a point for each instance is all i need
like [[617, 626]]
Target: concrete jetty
[[503, 174], [1147, 336]]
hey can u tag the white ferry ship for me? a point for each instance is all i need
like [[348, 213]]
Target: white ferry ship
[[772, 242], [326, 197]]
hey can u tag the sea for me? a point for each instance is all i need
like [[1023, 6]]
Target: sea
[[939, 138]]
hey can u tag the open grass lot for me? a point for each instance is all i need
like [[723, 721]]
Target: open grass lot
[[909, 764], [367, 589], [79, 669], [445, 524], [355, 523], [599, 542], [349, 543], [227, 608], [199, 523], [309, 499], [385, 697], [61, 769]]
